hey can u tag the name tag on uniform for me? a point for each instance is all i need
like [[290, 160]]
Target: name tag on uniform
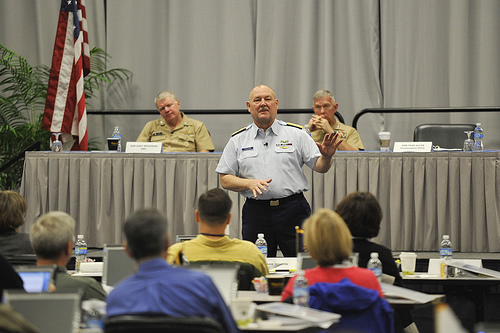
[[246, 148]]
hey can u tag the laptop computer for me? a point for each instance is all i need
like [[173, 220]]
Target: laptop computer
[[225, 279], [49, 312], [117, 265], [305, 261], [36, 279]]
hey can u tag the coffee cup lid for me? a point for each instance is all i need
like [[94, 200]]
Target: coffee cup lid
[[384, 135]]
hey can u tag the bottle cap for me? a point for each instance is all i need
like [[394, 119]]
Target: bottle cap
[[260, 235], [80, 236], [374, 255], [446, 236]]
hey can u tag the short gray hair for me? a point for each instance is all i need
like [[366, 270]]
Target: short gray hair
[[51, 233], [323, 93], [166, 94]]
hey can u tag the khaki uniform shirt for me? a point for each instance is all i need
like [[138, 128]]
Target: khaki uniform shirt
[[348, 133], [190, 136]]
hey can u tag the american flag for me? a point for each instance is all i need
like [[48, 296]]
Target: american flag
[[65, 110]]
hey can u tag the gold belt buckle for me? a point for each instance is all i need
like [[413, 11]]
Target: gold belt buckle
[[274, 203]]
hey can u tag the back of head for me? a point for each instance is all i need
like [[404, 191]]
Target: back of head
[[51, 233], [12, 210], [327, 237], [146, 234], [214, 207], [362, 214]]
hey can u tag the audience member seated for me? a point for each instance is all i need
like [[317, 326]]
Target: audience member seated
[[52, 237], [362, 214], [324, 122], [329, 242], [9, 279], [175, 130], [158, 288], [213, 216], [12, 210]]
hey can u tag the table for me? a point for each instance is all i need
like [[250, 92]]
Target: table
[[472, 288], [423, 195]]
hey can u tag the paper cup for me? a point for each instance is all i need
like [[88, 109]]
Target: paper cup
[[275, 284], [408, 262], [385, 141]]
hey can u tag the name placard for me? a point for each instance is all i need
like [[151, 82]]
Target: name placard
[[144, 147], [416, 147]]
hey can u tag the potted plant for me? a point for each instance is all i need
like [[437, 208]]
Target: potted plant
[[23, 89]]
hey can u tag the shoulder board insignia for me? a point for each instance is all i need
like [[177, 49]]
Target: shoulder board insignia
[[239, 131], [294, 125]]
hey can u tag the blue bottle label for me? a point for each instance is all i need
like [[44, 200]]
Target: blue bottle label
[[446, 252], [80, 250]]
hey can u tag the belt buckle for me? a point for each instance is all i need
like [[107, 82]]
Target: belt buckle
[[274, 203]]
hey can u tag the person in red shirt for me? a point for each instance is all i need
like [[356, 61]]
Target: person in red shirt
[[329, 242]]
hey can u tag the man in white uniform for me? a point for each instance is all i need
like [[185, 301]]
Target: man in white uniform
[[265, 162]]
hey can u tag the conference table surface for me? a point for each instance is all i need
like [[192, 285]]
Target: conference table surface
[[422, 195]]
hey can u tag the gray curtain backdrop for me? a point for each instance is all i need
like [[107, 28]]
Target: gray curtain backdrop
[[370, 53]]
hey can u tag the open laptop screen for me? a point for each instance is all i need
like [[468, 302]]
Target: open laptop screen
[[117, 265], [49, 312], [36, 279]]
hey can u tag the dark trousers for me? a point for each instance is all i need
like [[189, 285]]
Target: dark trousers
[[277, 223]]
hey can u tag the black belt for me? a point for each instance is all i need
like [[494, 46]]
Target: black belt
[[276, 202]]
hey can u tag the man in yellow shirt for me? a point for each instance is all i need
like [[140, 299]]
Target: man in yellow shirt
[[175, 130], [211, 244], [324, 122]]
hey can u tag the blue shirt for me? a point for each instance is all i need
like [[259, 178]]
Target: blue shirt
[[280, 153], [158, 288]]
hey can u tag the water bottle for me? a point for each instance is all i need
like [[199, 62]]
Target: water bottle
[[80, 252], [375, 265], [478, 137], [446, 251], [301, 290], [262, 244], [116, 134]]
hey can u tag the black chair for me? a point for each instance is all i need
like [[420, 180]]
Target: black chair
[[443, 135], [339, 117], [161, 324], [246, 271]]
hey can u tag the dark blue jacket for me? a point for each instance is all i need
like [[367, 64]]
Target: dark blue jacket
[[362, 309]]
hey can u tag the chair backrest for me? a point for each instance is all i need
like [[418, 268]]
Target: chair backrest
[[443, 135], [339, 117], [246, 271], [161, 324]]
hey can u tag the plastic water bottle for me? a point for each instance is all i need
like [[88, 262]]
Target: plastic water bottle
[[478, 137], [80, 252], [301, 290], [116, 134], [446, 252], [375, 265], [262, 244]]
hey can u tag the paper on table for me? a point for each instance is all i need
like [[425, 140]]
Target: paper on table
[[399, 292]]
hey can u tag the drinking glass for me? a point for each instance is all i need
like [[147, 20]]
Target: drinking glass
[[468, 143], [56, 144]]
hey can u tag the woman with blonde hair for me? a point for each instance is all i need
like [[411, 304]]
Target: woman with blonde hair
[[12, 210], [329, 242]]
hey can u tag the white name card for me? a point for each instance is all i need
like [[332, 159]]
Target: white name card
[[416, 147], [144, 147]]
